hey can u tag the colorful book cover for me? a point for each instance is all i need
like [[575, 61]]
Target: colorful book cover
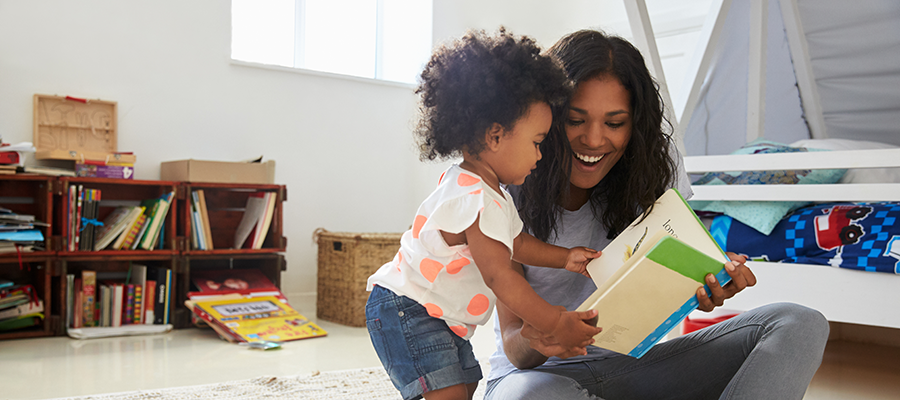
[[133, 232], [149, 302], [230, 280], [128, 314], [648, 276], [137, 318], [260, 318], [89, 293], [160, 208]]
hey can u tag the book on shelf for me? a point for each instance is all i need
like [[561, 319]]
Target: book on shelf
[[206, 230], [198, 231], [137, 318], [157, 209], [223, 281], [149, 302], [133, 224], [26, 308], [128, 312], [252, 319], [648, 276], [113, 225], [89, 296], [23, 321], [254, 225]]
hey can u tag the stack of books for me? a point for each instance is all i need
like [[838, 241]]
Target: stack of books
[[19, 306], [242, 305], [13, 156], [139, 227], [201, 233], [110, 168], [106, 300], [18, 232], [251, 231]]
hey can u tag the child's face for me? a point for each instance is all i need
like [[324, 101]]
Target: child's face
[[518, 153]]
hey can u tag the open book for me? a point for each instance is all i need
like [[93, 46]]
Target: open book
[[648, 276]]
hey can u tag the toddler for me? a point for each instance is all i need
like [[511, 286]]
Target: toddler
[[487, 99]]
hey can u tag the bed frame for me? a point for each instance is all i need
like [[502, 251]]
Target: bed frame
[[842, 295]]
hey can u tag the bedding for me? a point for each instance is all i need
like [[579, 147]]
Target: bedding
[[858, 236], [763, 215]]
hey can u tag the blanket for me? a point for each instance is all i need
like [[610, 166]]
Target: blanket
[[859, 236]]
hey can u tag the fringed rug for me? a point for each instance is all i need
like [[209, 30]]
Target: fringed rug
[[367, 383]]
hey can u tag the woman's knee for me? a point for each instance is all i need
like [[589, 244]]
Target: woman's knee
[[802, 321]]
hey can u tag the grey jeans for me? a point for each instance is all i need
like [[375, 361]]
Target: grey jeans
[[771, 352]]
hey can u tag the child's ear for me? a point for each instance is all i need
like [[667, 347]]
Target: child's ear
[[493, 135]]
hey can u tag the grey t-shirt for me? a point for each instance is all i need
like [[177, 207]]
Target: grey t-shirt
[[560, 287]]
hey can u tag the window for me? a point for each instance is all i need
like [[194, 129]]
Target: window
[[379, 39]]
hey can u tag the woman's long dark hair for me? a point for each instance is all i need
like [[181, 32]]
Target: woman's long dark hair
[[643, 173]]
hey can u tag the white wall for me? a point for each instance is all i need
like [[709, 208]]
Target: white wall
[[343, 147]]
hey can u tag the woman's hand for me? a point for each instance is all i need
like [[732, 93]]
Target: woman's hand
[[741, 277]]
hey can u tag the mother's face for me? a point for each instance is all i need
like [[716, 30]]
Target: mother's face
[[598, 127]]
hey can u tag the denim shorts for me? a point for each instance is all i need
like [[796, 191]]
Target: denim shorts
[[419, 352]]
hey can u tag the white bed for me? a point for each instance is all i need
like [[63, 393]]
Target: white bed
[[842, 295]]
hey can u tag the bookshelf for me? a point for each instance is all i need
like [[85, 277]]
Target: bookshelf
[[46, 198]]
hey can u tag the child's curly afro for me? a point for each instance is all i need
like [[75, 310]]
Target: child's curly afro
[[477, 81]]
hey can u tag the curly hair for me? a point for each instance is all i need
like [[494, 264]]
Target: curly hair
[[478, 80], [643, 173]]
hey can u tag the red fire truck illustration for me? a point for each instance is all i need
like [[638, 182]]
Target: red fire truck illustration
[[836, 228]]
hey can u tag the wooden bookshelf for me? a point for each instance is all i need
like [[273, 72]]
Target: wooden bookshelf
[[46, 198]]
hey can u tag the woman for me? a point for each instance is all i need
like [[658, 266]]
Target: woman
[[614, 164]]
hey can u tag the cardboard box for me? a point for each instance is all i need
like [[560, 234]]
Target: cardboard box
[[218, 171]]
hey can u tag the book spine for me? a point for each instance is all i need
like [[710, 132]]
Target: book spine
[[118, 301], [138, 304], [128, 314], [133, 232], [89, 288], [70, 298], [149, 302], [77, 220], [167, 296], [78, 307]]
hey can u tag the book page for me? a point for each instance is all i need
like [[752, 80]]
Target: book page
[[639, 303], [670, 214]]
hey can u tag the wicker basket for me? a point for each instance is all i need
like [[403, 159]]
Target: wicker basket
[[346, 260]]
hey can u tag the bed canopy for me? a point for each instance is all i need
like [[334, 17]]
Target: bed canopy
[[786, 70]]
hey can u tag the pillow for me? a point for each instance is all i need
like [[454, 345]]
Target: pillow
[[763, 215], [861, 175]]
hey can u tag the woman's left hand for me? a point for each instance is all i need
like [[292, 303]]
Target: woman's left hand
[[741, 277]]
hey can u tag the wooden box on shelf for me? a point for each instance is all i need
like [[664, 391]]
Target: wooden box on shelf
[[233, 218], [85, 202], [30, 267], [70, 128], [154, 273], [271, 265]]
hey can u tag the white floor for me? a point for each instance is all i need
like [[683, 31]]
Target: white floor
[[61, 367]]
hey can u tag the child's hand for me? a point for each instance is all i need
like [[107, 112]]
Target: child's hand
[[573, 330], [578, 259]]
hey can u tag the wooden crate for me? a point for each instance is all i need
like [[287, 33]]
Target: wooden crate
[[346, 260], [69, 128]]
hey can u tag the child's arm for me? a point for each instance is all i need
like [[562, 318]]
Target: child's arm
[[493, 260], [529, 250]]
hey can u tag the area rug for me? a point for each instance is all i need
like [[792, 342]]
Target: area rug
[[367, 383]]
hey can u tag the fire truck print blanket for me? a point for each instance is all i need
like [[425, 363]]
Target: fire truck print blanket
[[860, 236]]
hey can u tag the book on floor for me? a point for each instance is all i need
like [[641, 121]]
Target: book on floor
[[253, 319], [648, 276]]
